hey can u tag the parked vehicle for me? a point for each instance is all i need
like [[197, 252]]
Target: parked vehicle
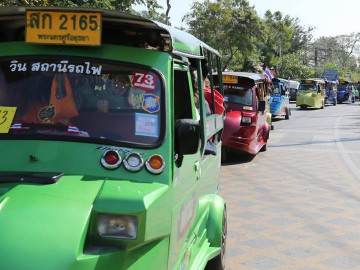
[[246, 128], [104, 162], [331, 92], [279, 100], [345, 91], [311, 93], [293, 87]]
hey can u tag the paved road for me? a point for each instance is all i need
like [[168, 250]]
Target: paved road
[[297, 205]]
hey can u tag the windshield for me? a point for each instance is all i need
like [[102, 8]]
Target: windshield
[[240, 96], [308, 87], [330, 86], [276, 89], [87, 99], [343, 87]]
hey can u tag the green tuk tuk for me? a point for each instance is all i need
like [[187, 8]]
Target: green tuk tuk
[[105, 161]]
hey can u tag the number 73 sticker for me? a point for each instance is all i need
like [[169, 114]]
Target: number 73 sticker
[[6, 117]]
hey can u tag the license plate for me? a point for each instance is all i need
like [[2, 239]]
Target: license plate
[[64, 28], [230, 79], [275, 100]]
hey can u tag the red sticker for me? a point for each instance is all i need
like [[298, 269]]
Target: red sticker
[[143, 81]]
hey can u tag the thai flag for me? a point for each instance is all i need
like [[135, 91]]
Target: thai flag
[[73, 129], [268, 74], [19, 127]]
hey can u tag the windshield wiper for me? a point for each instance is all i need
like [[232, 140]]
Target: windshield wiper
[[30, 177]]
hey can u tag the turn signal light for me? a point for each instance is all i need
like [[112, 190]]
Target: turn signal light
[[155, 164]]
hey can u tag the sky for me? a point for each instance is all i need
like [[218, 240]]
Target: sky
[[324, 15]]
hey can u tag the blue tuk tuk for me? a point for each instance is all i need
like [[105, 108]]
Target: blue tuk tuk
[[279, 100], [331, 92], [345, 91]]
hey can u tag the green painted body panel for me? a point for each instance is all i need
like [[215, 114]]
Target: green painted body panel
[[54, 225]]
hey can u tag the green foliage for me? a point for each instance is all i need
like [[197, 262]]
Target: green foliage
[[153, 15], [293, 67], [338, 52], [285, 36], [232, 27]]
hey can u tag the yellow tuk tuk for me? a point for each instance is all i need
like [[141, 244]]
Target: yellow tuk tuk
[[311, 93]]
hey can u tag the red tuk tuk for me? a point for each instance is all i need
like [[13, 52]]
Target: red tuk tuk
[[246, 128]]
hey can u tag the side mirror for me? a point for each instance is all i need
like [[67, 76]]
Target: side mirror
[[261, 106], [187, 137]]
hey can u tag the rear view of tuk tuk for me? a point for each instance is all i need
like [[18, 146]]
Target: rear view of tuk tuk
[[311, 93], [279, 100], [103, 162], [293, 88], [331, 92], [246, 128], [345, 92]]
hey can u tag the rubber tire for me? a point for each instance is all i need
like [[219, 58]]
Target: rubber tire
[[224, 154], [287, 115], [218, 263], [264, 148]]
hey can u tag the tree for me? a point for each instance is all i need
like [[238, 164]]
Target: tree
[[292, 67], [338, 52], [285, 36], [232, 27]]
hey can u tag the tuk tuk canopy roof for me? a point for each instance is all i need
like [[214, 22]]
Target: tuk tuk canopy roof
[[253, 76], [114, 24], [314, 80]]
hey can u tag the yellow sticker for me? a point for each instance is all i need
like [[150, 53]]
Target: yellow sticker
[[230, 79], [6, 117], [63, 27]]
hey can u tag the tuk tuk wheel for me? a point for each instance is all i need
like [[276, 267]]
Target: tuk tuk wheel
[[224, 154], [218, 263], [264, 148]]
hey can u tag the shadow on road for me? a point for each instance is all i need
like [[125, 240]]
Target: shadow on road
[[238, 158]]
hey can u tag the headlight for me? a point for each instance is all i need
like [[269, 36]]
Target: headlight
[[246, 119], [117, 226]]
